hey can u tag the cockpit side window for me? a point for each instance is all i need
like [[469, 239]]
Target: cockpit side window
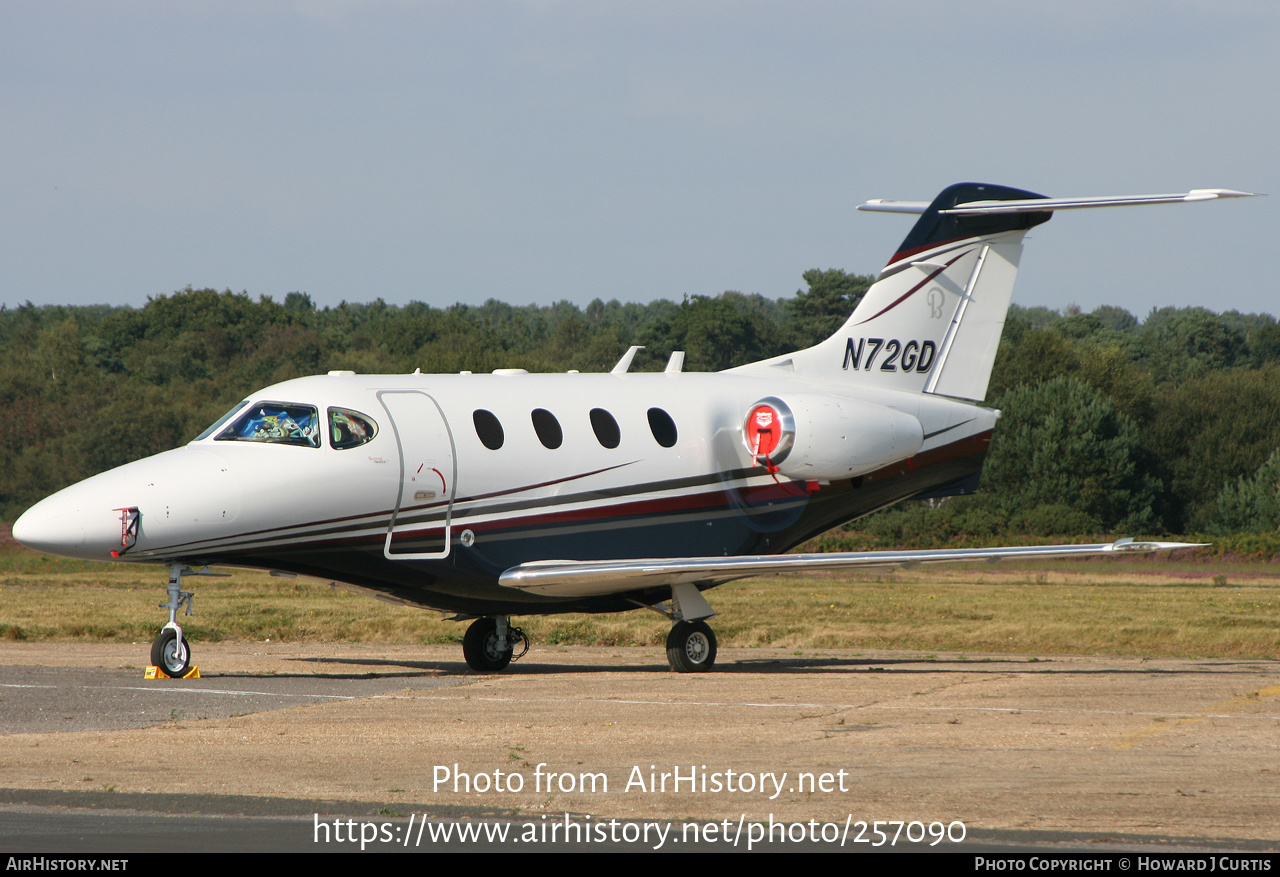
[[349, 429], [282, 423]]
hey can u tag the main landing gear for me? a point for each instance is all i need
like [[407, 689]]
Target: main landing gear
[[489, 644], [691, 645]]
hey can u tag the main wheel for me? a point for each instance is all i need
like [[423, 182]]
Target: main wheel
[[480, 646], [171, 654], [691, 647]]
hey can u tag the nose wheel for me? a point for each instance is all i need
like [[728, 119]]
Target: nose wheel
[[171, 653]]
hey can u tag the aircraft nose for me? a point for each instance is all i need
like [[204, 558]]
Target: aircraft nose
[[173, 496], [58, 525]]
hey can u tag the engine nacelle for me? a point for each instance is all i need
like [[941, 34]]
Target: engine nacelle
[[813, 437]]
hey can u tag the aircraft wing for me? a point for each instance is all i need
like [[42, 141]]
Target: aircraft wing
[[593, 578]]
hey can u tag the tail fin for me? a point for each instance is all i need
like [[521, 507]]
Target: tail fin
[[932, 322]]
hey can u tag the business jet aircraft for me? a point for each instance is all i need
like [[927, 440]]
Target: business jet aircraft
[[488, 496]]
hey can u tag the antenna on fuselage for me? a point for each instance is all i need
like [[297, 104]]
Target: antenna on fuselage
[[624, 364], [675, 364]]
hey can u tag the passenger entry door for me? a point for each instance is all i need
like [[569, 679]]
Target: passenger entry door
[[421, 523]]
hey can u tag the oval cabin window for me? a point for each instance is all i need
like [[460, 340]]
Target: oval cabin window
[[488, 429], [547, 428], [605, 427], [663, 427]]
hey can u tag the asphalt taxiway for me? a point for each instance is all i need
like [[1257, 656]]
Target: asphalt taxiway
[[1035, 753]]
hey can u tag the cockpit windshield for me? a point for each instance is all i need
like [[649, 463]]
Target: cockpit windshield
[[281, 423], [217, 424]]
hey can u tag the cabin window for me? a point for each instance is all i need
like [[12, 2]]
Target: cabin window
[[221, 420], [488, 429], [606, 428], [281, 423], [348, 429], [547, 428], [662, 427]]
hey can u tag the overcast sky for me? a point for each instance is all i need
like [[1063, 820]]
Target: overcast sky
[[539, 151]]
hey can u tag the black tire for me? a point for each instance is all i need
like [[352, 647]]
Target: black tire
[[691, 647], [169, 655], [480, 647]]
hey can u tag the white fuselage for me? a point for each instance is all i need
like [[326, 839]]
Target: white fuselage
[[426, 511]]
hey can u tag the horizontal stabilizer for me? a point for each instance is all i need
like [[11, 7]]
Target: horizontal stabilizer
[[591, 578], [1040, 205]]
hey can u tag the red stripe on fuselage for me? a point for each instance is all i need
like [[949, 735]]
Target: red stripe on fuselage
[[717, 499]]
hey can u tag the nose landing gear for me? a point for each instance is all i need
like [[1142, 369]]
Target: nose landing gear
[[170, 652]]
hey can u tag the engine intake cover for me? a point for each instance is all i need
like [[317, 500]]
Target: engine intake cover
[[809, 436]]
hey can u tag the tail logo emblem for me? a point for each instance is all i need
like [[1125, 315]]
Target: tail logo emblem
[[936, 298]]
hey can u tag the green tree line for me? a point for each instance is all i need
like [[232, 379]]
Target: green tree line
[[1169, 424]]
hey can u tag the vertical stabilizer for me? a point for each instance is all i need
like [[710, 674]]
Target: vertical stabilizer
[[932, 322]]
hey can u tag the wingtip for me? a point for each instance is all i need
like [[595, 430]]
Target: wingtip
[[1147, 546]]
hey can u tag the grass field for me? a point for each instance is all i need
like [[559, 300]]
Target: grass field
[[1136, 607]]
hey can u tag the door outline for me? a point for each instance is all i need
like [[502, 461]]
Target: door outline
[[433, 414]]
